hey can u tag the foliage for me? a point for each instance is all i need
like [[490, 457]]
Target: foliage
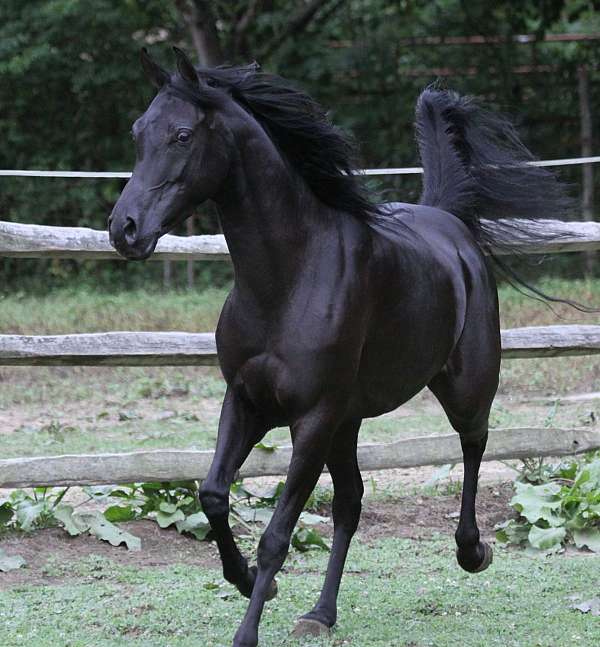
[[170, 504], [557, 505], [43, 507], [362, 59]]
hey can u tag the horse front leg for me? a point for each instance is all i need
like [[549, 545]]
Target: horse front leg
[[312, 441], [240, 428], [348, 491]]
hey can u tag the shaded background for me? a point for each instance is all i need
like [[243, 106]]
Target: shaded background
[[71, 85]]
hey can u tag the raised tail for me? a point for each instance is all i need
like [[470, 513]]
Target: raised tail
[[477, 168]]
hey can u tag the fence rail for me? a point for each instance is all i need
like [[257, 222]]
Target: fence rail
[[182, 465], [40, 241], [199, 349]]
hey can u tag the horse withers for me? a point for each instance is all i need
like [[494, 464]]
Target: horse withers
[[341, 309]]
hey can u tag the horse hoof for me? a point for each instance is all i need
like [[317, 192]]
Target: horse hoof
[[467, 565], [310, 627]]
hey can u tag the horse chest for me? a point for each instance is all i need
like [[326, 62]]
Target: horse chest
[[264, 380]]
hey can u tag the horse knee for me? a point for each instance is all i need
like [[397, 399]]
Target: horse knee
[[215, 504]]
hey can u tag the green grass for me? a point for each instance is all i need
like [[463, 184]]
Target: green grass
[[65, 311], [69, 311], [398, 593]]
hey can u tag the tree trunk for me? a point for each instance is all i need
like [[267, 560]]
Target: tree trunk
[[201, 22]]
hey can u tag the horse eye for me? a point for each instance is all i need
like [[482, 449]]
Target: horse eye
[[184, 136]]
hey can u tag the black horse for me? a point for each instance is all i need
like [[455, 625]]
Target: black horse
[[341, 309]]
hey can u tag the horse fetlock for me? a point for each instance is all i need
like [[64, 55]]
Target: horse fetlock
[[245, 585], [467, 537]]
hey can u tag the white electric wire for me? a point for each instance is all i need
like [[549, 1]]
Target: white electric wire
[[409, 170]]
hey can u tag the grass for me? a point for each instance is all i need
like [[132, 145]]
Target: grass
[[396, 593], [67, 311]]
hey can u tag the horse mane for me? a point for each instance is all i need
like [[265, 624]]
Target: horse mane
[[322, 154]]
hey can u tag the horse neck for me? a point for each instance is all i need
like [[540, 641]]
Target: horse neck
[[270, 218]]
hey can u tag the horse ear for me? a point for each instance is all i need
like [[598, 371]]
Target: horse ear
[[155, 73], [185, 66]]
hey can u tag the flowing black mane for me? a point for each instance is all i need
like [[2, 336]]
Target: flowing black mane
[[321, 153]]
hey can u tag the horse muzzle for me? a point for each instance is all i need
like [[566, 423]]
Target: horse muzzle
[[129, 239]]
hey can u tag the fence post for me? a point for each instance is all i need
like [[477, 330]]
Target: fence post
[[190, 264], [587, 197]]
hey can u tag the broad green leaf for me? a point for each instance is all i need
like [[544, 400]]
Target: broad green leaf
[[546, 538], [192, 522], [165, 519], [101, 492], [64, 514], [512, 532], [589, 537], [536, 502], [196, 524], [152, 486], [6, 513], [252, 515], [28, 513], [274, 493], [306, 538], [167, 507], [100, 527], [201, 533], [10, 562], [313, 519], [120, 513]]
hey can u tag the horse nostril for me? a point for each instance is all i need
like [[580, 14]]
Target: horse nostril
[[130, 230]]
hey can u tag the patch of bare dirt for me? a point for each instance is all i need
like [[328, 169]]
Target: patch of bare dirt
[[415, 516], [420, 517], [45, 548]]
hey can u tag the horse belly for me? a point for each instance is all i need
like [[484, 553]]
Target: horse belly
[[396, 365]]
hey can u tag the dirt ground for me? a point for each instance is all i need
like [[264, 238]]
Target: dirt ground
[[418, 516]]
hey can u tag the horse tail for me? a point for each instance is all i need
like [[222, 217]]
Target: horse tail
[[477, 168]]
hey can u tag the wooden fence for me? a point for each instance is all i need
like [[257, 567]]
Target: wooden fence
[[198, 349]]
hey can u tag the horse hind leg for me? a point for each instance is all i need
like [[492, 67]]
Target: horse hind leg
[[466, 389]]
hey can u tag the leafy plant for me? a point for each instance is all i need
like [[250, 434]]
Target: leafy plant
[[170, 504], [556, 504], [43, 507]]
